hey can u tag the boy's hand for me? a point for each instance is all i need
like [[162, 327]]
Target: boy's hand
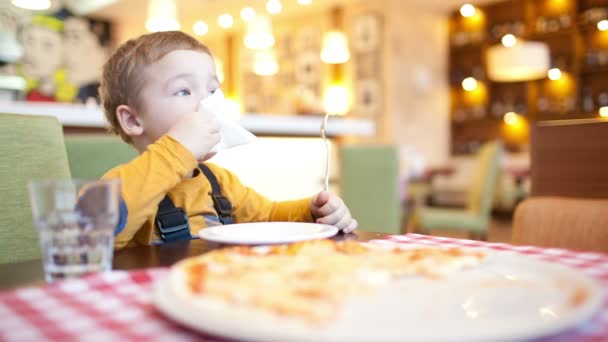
[[328, 208], [198, 132]]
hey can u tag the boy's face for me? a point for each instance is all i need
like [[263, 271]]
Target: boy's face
[[173, 86]]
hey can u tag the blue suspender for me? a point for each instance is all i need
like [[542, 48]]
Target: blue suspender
[[172, 222]]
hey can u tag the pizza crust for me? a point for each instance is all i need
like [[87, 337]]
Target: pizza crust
[[309, 281]]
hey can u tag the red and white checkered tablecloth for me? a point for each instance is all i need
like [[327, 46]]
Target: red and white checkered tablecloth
[[117, 306]]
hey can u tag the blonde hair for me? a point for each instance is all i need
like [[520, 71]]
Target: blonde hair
[[121, 79]]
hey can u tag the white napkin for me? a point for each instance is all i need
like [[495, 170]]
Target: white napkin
[[232, 133]]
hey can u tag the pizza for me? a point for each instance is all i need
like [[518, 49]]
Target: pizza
[[309, 281]]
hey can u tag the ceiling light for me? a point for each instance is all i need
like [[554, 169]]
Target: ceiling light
[[36, 5], [602, 25], [225, 21], [467, 10], [305, 2], [259, 33], [511, 118], [265, 62], [247, 14], [274, 6], [336, 100], [200, 28], [162, 16], [469, 84], [508, 40], [554, 74], [335, 48], [524, 61]]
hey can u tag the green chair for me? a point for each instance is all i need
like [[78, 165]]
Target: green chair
[[369, 185], [32, 148], [475, 218], [92, 155]]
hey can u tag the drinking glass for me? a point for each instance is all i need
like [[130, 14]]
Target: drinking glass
[[76, 220]]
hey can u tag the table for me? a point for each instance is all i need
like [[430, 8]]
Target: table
[[117, 306], [30, 272]]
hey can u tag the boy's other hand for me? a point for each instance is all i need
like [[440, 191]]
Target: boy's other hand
[[198, 132], [328, 208]]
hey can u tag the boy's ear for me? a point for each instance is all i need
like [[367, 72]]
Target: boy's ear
[[129, 120]]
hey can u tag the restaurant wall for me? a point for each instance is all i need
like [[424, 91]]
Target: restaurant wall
[[411, 69], [418, 92], [415, 113]]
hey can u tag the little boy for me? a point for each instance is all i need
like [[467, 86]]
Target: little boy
[[150, 90]]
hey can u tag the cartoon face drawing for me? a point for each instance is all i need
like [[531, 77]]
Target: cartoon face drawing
[[83, 54], [42, 51]]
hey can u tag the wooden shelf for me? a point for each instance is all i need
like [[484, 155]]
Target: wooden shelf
[[568, 45], [550, 35], [592, 70]]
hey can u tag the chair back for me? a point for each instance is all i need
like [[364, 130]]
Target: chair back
[[369, 185], [32, 147], [561, 222], [568, 158], [485, 178], [92, 155]]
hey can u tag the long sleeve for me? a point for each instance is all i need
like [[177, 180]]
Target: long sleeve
[[250, 206], [146, 180]]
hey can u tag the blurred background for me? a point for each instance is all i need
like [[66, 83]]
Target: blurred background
[[415, 88]]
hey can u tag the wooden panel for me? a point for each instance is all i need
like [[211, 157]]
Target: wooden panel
[[569, 158]]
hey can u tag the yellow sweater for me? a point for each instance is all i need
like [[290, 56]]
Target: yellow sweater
[[162, 169]]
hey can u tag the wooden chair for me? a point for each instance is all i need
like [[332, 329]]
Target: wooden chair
[[32, 148], [573, 223], [475, 218], [369, 185]]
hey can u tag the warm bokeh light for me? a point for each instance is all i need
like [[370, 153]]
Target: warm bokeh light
[[162, 16], [554, 74], [602, 25], [305, 2], [511, 118], [265, 62], [225, 21], [200, 28], [258, 33], [509, 40], [469, 84], [336, 100], [247, 14], [604, 112], [516, 129], [274, 6], [35, 5], [467, 10], [562, 87], [335, 48]]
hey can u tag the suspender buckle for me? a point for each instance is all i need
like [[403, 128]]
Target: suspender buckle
[[223, 207], [173, 225]]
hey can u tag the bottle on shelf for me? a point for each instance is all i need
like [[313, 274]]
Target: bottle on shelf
[[587, 100], [569, 104], [478, 111], [602, 98], [590, 58], [520, 107], [565, 20], [542, 103]]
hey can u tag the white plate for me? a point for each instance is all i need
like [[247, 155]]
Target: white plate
[[267, 232], [509, 297]]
